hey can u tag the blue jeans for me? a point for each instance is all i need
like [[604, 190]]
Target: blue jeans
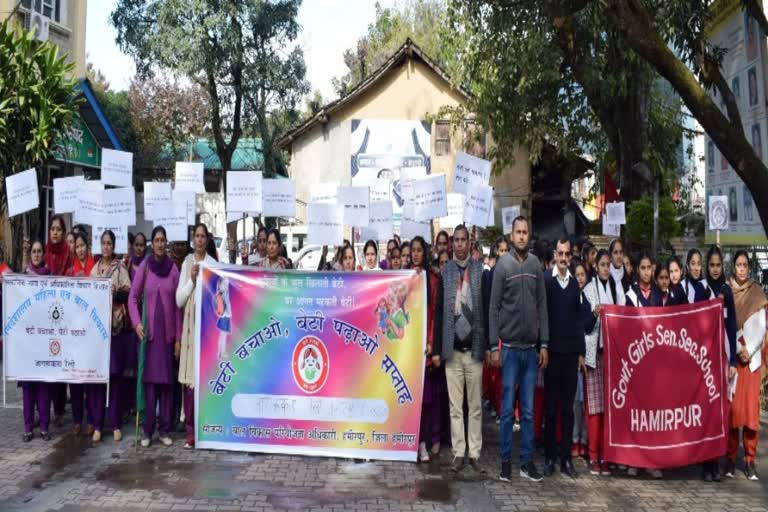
[[518, 368]]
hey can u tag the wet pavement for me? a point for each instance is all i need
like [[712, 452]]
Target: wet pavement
[[70, 474]]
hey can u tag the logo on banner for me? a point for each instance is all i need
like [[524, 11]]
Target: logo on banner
[[54, 347], [56, 313], [311, 364]]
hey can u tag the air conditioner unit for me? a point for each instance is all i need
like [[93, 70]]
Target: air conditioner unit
[[40, 24]]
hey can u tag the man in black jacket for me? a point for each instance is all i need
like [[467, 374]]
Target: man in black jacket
[[566, 355]]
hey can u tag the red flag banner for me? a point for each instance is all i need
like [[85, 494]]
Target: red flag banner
[[666, 391]]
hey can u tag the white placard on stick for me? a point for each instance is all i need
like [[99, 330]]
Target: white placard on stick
[[119, 206], [379, 190], [189, 176], [380, 226], [157, 197], [116, 167], [477, 205], [455, 211], [430, 199], [468, 170], [355, 201], [508, 216], [21, 189], [410, 227], [616, 213], [174, 219], [278, 198], [326, 193], [718, 213], [408, 176], [121, 237], [325, 224], [613, 230], [65, 192], [90, 206], [244, 191], [189, 199]]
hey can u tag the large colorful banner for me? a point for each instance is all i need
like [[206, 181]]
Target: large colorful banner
[[311, 363], [666, 394], [56, 329]]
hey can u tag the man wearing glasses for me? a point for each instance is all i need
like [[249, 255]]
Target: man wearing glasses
[[565, 356]]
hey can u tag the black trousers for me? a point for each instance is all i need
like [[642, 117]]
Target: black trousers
[[559, 393]]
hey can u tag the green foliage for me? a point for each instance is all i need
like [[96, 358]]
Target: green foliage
[[640, 221], [37, 101], [236, 50], [419, 20]]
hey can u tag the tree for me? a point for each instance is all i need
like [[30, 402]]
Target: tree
[[164, 117], [420, 20], [233, 49], [572, 85], [584, 59], [37, 101]]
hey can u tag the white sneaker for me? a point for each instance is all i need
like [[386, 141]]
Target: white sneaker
[[167, 441], [145, 442], [632, 472], [423, 453], [655, 473]]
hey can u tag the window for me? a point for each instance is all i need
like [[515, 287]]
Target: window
[[442, 138], [48, 8]]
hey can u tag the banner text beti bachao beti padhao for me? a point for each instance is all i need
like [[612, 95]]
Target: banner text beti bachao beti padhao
[[328, 364], [665, 384]]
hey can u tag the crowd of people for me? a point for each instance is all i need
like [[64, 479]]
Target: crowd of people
[[518, 330]]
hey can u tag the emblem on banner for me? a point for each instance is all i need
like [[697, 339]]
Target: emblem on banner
[[56, 313], [310, 364], [54, 347]]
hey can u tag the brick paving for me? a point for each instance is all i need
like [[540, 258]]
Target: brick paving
[[68, 474]]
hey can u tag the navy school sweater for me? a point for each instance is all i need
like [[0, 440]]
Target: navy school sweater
[[566, 316]]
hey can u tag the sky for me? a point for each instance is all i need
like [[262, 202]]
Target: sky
[[328, 28]]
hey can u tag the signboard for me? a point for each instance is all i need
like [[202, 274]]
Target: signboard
[[22, 193], [306, 363]]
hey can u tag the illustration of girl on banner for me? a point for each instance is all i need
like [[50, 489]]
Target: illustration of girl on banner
[[397, 317], [224, 314]]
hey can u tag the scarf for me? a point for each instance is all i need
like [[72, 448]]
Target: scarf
[[160, 268], [136, 260], [716, 285], [696, 289], [748, 299], [617, 273], [78, 270], [57, 257], [463, 295], [41, 270]]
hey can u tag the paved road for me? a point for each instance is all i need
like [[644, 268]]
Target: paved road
[[69, 474]]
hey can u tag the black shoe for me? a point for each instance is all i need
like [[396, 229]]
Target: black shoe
[[567, 468], [46, 436], [730, 469], [475, 465], [751, 471], [716, 475], [27, 437], [706, 474], [549, 468], [506, 472], [530, 472], [457, 464]]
